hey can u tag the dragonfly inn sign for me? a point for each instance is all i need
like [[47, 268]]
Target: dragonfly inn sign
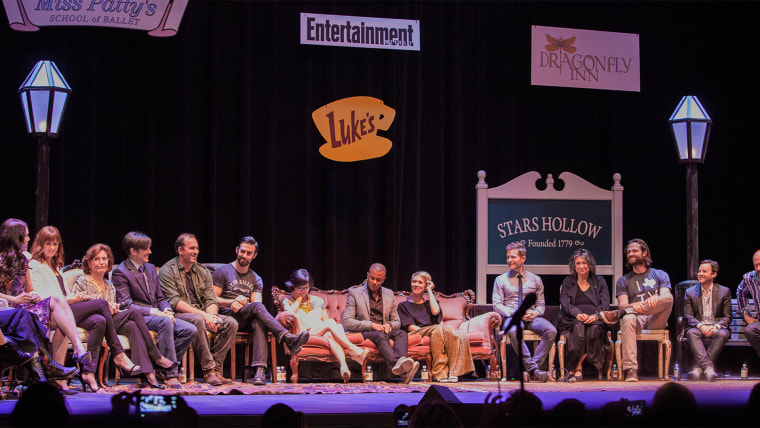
[[585, 59]]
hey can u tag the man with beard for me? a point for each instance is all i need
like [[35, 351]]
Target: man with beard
[[645, 301], [238, 290]]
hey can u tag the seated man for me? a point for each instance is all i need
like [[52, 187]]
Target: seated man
[[238, 290], [371, 310], [189, 289], [138, 288], [750, 288], [509, 290], [707, 309]]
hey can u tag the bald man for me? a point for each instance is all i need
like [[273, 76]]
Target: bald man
[[750, 288], [371, 310]]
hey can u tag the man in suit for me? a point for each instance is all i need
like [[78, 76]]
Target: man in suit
[[371, 310], [189, 288], [708, 314], [238, 290], [137, 287]]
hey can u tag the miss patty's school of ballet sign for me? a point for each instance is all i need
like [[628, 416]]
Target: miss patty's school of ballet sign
[[159, 18]]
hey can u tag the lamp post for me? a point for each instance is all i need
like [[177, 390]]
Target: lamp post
[[690, 126], [43, 97]]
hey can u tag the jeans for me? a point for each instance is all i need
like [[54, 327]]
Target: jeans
[[541, 327], [705, 358], [255, 317], [174, 338]]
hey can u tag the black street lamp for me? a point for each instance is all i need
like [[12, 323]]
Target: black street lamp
[[43, 96], [690, 126]]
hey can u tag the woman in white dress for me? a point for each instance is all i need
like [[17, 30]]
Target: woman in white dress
[[313, 317]]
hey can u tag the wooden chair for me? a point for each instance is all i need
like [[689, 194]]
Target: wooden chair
[[663, 351], [528, 336]]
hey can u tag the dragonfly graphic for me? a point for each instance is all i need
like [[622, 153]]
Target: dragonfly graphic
[[560, 44]]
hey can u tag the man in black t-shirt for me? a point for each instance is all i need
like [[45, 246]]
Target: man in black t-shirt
[[238, 290]]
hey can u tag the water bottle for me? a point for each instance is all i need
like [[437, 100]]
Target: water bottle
[[368, 375], [614, 371], [424, 374], [183, 374], [281, 375], [745, 372], [554, 373], [677, 372]]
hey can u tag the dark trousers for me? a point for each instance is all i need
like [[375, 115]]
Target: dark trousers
[[95, 317], [255, 317], [144, 352], [174, 338], [705, 357], [383, 342]]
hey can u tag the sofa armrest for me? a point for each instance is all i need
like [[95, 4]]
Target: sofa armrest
[[290, 321], [485, 323]]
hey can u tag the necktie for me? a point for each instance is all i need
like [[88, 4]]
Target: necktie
[[519, 290], [141, 269]]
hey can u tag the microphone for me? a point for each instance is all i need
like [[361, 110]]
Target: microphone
[[528, 301]]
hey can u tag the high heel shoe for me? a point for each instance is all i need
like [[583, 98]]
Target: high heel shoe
[[86, 383], [144, 378], [83, 359], [173, 365], [129, 372]]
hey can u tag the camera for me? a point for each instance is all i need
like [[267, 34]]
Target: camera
[[402, 414]]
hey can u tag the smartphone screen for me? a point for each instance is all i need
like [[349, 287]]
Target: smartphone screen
[[635, 408], [157, 403]]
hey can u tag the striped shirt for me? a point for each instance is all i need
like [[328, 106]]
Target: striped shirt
[[748, 288]]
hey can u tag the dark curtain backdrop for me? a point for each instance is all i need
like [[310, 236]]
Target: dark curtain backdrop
[[210, 132]]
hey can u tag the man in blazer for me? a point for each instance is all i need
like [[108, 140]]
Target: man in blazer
[[708, 314], [371, 311], [137, 287]]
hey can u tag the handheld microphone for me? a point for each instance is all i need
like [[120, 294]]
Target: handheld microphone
[[528, 301]]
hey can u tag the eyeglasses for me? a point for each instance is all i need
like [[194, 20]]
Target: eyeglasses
[[302, 288]]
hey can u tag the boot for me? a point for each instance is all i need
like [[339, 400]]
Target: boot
[[36, 372], [11, 353], [54, 370]]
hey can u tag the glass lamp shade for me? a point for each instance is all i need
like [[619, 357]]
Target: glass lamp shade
[[43, 97], [690, 125]]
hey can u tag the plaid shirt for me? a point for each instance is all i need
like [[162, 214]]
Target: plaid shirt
[[749, 287]]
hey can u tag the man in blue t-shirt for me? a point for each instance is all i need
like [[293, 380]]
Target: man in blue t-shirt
[[645, 301], [238, 290]]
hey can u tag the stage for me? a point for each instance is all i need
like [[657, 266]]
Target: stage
[[360, 405]]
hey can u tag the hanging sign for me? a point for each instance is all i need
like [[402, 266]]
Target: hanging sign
[[585, 59], [159, 18], [360, 32]]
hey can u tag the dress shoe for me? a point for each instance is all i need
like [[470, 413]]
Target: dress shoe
[[260, 378], [409, 376], [695, 374], [173, 383], [710, 374], [611, 317], [403, 365], [211, 378], [631, 375], [294, 342], [225, 380], [539, 376], [11, 353]]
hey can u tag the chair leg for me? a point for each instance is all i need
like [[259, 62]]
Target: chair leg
[[273, 350], [503, 350], [191, 364], [246, 360], [561, 355], [233, 361], [619, 359]]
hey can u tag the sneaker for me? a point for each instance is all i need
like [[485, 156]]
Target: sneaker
[[710, 374], [409, 376], [695, 374], [611, 317], [539, 376], [294, 342], [211, 379], [403, 365], [631, 375]]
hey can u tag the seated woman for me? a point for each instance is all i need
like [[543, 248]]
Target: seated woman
[[313, 317], [52, 312], [97, 261], [582, 296], [93, 315], [450, 348]]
